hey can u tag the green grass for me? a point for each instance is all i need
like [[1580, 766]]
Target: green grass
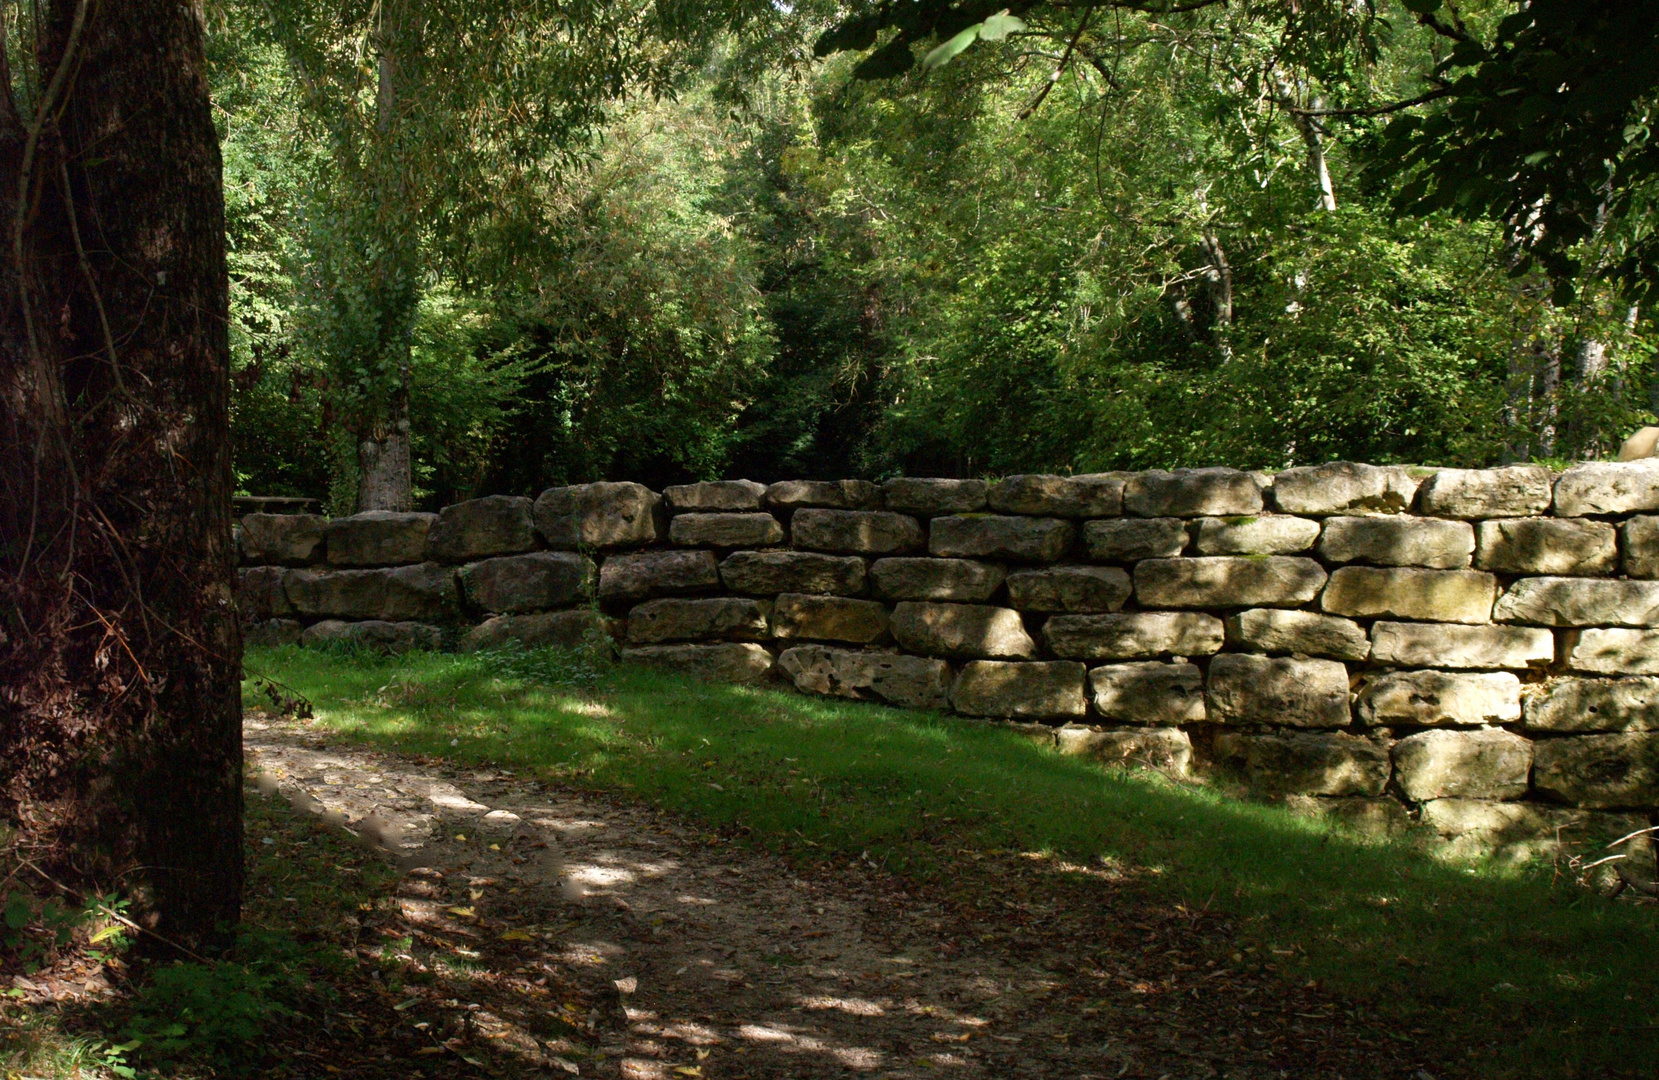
[[1559, 982]]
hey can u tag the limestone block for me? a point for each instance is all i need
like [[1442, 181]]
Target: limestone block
[[1489, 764], [1439, 699], [936, 579], [1245, 688], [1190, 493], [911, 682], [1600, 771], [515, 583], [1595, 705], [829, 618], [731, 662], [1572, 547], [1069, 589], [725, 530], [1449, 645], [1134, 539], [675, 619], [289, 539], [602, 515], [1040, 690], [543, 629], [832, 494], [1148, 692], [639, 574], [1461, 596], [1373, 817], [479, 528], [988, 536], [1510, 831], [1213, 581], [1641, 546], [270, 632], [715, 495], [259, 593], [1133, 635], [1306, 763], [856, 532], [966, 631], [914, 495], [1270, 534], [1305, 633], [1513, 491], [766, 573], [1565, 601], [1344, 487], [1167, 750], [377, 538], [375, 635], [1398, 541], [1614, 652], [1608, 487], [422, 591], [1098, 495]]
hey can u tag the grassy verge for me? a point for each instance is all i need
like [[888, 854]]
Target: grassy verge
[[1553, 979]]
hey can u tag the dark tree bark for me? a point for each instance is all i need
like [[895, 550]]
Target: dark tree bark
[[120, 656]]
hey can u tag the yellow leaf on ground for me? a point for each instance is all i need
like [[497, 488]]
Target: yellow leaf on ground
[[517, 935], [689, 1070], [463, 912]]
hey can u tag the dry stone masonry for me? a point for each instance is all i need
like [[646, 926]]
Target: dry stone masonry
[[1476, 650]]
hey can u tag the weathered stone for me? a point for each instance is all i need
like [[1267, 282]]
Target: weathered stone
[[1213, 581], [1547, 546], [375, 635], [987, 536], [1167, 750], [1608, 487], [1149, 692], [829, 618], [1040, 690], [602, 515], [1192, 493], [543, 629], [1462, 596], [1595, 705], [1439, 699], [856, 532], [1270, 534], [1614, 652], [515, 583], [377, 538], [289, 539], [479, 528], [271, 632], [422, 591], [1305, 633], [1306, 763], [936, 579], [1448, 645], [1398, 541], [640, 574], [725, 530], [1245, 688], [1069, 589], [1514, 491], [1133, 635], [1058, 496], [259, 593], [911, 682], [1462, 765], [766, 573], [1565, 601], [1641, 546], [1344, 487], [674, 619], [1600, 771], [967, 631], [914, 495], [730, 662], [832, 494], [1382, 817], [715, 495], [1516, 832], [1134, 539]]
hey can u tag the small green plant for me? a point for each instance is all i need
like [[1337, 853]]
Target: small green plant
[[35, 929]]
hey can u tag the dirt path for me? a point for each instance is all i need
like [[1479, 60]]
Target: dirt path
[[727, 964]]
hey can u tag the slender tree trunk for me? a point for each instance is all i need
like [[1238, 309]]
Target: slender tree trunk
[[120, 656], [1220, 278]]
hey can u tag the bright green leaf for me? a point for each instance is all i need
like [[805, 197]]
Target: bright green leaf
[[999, 26], [951, 49]]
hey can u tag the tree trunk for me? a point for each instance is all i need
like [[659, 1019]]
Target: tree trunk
[[120, 654]]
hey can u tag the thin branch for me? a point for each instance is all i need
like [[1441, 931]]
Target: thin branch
[[1065, 58], [1375, 110]]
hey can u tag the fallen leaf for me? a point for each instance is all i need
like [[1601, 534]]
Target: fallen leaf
[[517, 935], [476, 894], [406, 1004], [689, 1070], [430, 1050], [463, 912]]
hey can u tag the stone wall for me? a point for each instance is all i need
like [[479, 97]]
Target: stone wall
[[1474, 649]]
